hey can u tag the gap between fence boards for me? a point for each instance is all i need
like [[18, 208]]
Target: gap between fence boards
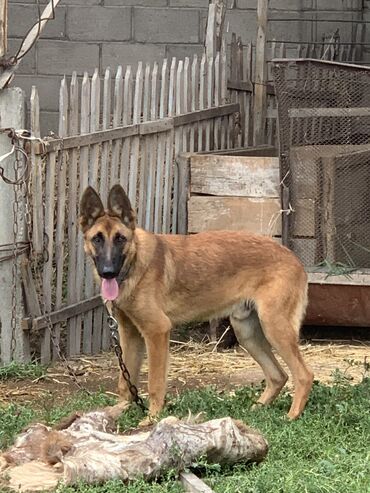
[[145, 128]]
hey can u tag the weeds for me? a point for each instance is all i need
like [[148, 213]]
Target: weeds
[[19, 371], [326, 451]]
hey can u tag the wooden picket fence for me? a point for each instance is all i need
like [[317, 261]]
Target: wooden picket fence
[[128, 130]]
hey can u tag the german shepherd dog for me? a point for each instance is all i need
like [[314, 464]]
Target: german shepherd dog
[[157, 281]]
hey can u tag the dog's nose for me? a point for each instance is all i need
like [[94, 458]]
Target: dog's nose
[[108, 272]]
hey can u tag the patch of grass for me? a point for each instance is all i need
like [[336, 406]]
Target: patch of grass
[[20, 371], [326, 451]]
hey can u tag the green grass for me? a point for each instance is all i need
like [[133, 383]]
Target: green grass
[[20, 371], [326, 451]]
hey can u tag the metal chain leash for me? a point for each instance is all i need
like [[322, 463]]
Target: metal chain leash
[[113, 327]]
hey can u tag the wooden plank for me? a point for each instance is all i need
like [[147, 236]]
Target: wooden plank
[[183, 165], [135, 143], [61, 207], [48, 268], [94, 127], [186, 103], [179, 108], [239, 137], [235, 176], [202, 92], [358, 278], [194, 100], [205, 114], [328, 112], [90, 288], [37, 195], [210, 41], [193, 484], [101, 336], [117, 115], [224, 92], [153, 142], [145, 128], [66, 312], [73, 333], [3, 27], [234, 213], [144, 151], [240, 85], [168, 174], [259, 108], [83, 265], [248, 70], [217, 102], [209, 102], [30, 291], [159, 185], [126, 120], [106, 147]]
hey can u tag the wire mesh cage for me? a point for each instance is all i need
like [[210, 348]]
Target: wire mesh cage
[[324, 129]]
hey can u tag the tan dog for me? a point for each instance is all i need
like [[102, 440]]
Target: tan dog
[[158, 281]]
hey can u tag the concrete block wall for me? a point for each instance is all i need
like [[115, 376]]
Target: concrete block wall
[[100, 33]]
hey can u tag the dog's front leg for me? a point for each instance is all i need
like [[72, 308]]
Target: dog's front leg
[[157, 345]]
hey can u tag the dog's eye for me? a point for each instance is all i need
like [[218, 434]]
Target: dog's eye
[[119, 239], [98, 239]]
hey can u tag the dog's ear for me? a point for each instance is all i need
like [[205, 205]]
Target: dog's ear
[[91, 208], [119, 205]]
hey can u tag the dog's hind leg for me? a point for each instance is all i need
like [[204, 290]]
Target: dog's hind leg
[[281, 328], [133, 347], [251, 337]]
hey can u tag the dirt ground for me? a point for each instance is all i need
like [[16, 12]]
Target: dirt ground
[[192, 365]]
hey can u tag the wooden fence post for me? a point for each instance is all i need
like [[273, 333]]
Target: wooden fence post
[[12, 115], [260, 75], [3, 27]]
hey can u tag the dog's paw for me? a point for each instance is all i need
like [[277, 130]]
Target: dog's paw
[[148, 421]]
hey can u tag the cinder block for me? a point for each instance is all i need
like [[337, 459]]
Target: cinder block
[[246, 4], [287, 5], [330, 5], [189, 3], [166, 25], [244, 24], [114, 54], [49, 122], [22, 17], [47, 86], [99, 23], [291, 30], [182, 51], [28, 63], [62, 57], [137, 3]]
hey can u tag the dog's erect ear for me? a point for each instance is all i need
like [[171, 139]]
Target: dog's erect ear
[[119, 205], [91, 208]]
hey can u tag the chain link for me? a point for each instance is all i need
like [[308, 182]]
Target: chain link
[[113, 327]]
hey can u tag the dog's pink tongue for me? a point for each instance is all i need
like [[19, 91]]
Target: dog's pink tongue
[[109, 289]]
